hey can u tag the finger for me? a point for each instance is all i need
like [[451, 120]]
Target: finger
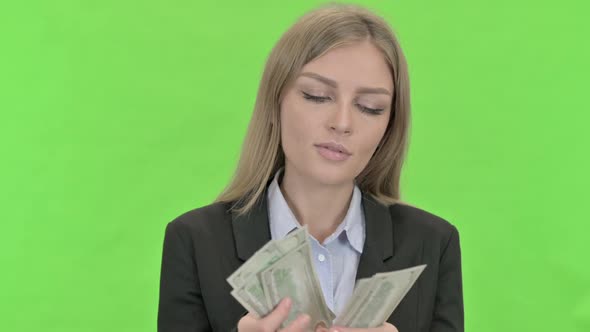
[[386, 327], [278, 315], [247, 322], [390, 328], [300, 324], [252, 315], [337, 328]]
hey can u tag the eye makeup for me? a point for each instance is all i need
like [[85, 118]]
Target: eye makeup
[[320, 100]]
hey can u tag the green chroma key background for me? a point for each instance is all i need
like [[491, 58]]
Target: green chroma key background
[[117, 116]]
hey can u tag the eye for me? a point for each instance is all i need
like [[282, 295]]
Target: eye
[[370, 110], [319, 100], [314, 99]]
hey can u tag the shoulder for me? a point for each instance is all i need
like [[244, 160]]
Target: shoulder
[[202, 221]]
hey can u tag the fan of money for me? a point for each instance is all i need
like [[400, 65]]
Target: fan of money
[[285, 268]]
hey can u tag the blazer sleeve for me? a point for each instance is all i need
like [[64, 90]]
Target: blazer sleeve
[[448, 309], [181, 307]]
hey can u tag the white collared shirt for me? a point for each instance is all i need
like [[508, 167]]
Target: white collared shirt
[[336, 260]]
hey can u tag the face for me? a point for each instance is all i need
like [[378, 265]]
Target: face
[[343, 97]]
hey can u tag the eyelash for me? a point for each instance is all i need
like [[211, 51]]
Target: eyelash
[[319, 100]]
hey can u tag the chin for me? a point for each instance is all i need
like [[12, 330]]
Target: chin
[[332, 175]]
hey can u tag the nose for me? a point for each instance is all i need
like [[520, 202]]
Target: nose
[[341, 121]]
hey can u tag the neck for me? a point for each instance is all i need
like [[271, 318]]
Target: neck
[[320, 206]]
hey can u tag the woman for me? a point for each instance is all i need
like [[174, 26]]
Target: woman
[[324, 148]]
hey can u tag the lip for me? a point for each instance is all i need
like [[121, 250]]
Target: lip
[[333, 151], [334, 147]]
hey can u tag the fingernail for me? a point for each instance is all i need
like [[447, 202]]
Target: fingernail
[[286, 302], [305, 319]]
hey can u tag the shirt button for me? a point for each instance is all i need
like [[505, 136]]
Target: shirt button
[[321, 257]]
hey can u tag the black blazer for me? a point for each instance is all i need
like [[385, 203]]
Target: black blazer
[[202, 247]]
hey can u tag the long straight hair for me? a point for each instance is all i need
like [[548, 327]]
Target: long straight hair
[[315, 33]]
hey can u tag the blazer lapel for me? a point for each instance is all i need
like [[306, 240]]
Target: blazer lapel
[[378, 238], [251, 230]]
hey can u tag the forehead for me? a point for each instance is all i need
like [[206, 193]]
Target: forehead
[[360, 64]]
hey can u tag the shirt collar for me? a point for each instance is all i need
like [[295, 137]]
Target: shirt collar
[[283, 221]]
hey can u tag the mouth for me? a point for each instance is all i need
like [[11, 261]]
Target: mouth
[[333, 151]]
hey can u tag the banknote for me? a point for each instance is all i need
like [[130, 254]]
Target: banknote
[[405, 279], [375, 299], [356, 300], [268, 254], [294, 276], [245, 280], [285, 268]]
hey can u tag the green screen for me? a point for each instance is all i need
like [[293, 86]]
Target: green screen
[[118, 116]]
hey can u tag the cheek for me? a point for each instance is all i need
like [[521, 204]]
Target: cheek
[[294, 129], [373, 138]]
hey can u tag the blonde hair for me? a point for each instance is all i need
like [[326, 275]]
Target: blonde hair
[[315, 33]]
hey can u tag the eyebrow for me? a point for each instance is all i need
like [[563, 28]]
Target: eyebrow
[[333, 84]]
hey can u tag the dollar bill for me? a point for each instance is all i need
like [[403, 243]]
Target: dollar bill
[[375, 299], [268, 254], [285, 268], [294, 276], [245, 280], [252, 305], [361, 290], [407, 278]]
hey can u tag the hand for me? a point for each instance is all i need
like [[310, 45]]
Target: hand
[[272, 321], [383, 328]]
